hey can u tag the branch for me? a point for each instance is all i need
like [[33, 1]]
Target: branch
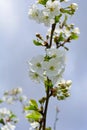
[[46, 106], [56, 118], [52, 31]]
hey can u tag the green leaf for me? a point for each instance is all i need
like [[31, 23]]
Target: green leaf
[[32, 102], [43, 2], [42, 100], [61, 0], [47, 58], [61, 38], [32, 105], [74, 36], [49, 128], [1, 101], [57, 18], [12, 116], [65, 20], [66, 48], [37, 43], [36, 116], [2, 121], [68, 11]]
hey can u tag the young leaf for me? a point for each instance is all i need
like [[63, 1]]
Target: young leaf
[[1, 101], [12, 116], [2, 121], [43, 2], [57, 18], [36, 116], [61, 0], [37, 43], [65, 20], [49, 128], [61, 38], [32, 105], [67, 11], [74, 36], [42, 100]]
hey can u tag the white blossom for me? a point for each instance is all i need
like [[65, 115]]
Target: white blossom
[[5, 127], [36, 64], [76, 30], [9, 100], [23, 98], [66, 32], [14, 91], [34, 125], [58, 31], [4, 111], [45, 15], [19, 90], [55, 80], [58, 54], [74, 6], [46, 19], [34, 13], [35, 76], [8, 126], [53, 7], [52, 68]]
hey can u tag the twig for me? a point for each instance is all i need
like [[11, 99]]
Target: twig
[[56, 118]]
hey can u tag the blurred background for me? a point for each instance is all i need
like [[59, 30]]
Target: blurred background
[[16, 48]]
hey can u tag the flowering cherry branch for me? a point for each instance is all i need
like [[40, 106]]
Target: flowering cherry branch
[[48, 69]]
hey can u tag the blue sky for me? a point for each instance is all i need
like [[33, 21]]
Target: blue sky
[[16, 47]]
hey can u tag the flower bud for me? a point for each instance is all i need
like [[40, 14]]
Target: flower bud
[[54, 91], [39, 36], [66, 95], [19, 90], [74, 6], [68, 83], [61, 97]]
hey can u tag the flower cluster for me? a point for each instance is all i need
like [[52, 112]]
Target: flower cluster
[[66, 32], [61, 91], [7, 119], [50, 66], [45, 15], [13, 95], [50, 9]]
